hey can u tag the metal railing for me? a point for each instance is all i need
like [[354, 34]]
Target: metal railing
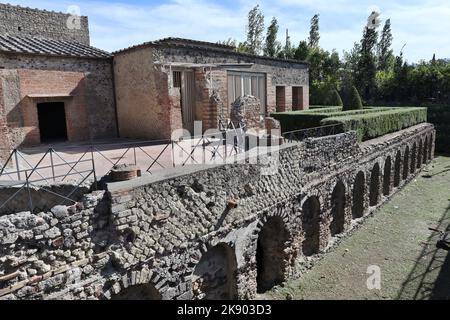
[[78, 165], [315, 132]]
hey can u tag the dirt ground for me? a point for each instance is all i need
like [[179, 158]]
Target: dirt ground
[[396, 238]]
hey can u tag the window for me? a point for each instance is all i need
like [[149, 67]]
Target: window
[[177, 79], [246, 83]]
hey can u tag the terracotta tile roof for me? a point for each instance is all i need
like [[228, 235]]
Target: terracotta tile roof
[[49, 47]]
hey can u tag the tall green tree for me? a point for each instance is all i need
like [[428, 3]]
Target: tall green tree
[[365, 74], [314, 35], [385, 53], [255, 31], [272, 46]]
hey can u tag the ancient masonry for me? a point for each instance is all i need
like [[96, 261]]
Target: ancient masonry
[[212, 232], [19, 21]]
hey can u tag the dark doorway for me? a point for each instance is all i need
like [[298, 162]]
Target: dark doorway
[[311, 226], [338, 209], [271, 257], [52, 121], [358, 196]]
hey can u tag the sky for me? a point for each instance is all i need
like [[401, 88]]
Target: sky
[[421, 26]]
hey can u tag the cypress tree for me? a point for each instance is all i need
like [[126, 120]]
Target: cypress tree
[[334, 99], [354, 102]]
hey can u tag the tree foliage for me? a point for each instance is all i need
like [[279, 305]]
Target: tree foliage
[[314, 35], [272, 47], [334, 99], [255, 31], [354, 102]]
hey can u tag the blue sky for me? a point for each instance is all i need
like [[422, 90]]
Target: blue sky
[[422, 25]]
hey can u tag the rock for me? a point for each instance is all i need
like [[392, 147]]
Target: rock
[[52, 233], [60, 212]]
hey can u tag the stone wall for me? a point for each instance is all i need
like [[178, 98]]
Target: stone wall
[[19, 21], [97, 82], [155, 236]]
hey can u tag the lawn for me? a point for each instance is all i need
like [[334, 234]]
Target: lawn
[[396, 238]]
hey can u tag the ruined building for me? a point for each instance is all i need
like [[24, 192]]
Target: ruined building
[[222, 231], [49, 74], [53, 85], [174, 80]]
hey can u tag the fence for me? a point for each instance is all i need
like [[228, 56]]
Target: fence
[[78, 165]]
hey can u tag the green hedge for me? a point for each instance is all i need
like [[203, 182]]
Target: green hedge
[[372, 125], [440, 117], [297, 120]]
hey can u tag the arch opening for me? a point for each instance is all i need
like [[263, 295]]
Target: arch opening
[[338, 209], [144, 291], [214, 276], [358, 196], [387, 177], [420, 155], [430, 148], [397, 168], [413, 158], [374, 185], [311, 226], [271, 258], [425, 151], [406, 164]]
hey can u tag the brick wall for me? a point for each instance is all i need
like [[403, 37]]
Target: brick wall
[[99, 86], [4, 139], [19, 21], [53, 83]]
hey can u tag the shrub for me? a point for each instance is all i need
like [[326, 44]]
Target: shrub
[[354, 101], [297, 120], [334, 99], [440, 117], [375, 124]]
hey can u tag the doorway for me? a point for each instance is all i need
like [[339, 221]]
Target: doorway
[[52, 121], [188, 100]]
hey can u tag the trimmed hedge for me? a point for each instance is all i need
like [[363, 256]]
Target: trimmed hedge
[[298, 120], [440, 117], [372, 125]]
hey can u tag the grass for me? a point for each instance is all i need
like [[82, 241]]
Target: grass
[[396, 238]]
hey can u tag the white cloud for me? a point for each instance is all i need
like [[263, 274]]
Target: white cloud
[[422, 25]]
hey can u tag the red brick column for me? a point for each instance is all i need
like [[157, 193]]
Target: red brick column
[[4, 139]]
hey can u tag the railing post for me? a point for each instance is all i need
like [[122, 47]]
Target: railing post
[[16, 158], [52, 165], [135, 158], [93, 167], [173, 154], [30, 199]]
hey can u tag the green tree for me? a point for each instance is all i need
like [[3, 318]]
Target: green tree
[[255, 31], [302, 51], [385, 53], [365, 72], [314, 35], [355, 102], [272, 46], [334, 99]]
